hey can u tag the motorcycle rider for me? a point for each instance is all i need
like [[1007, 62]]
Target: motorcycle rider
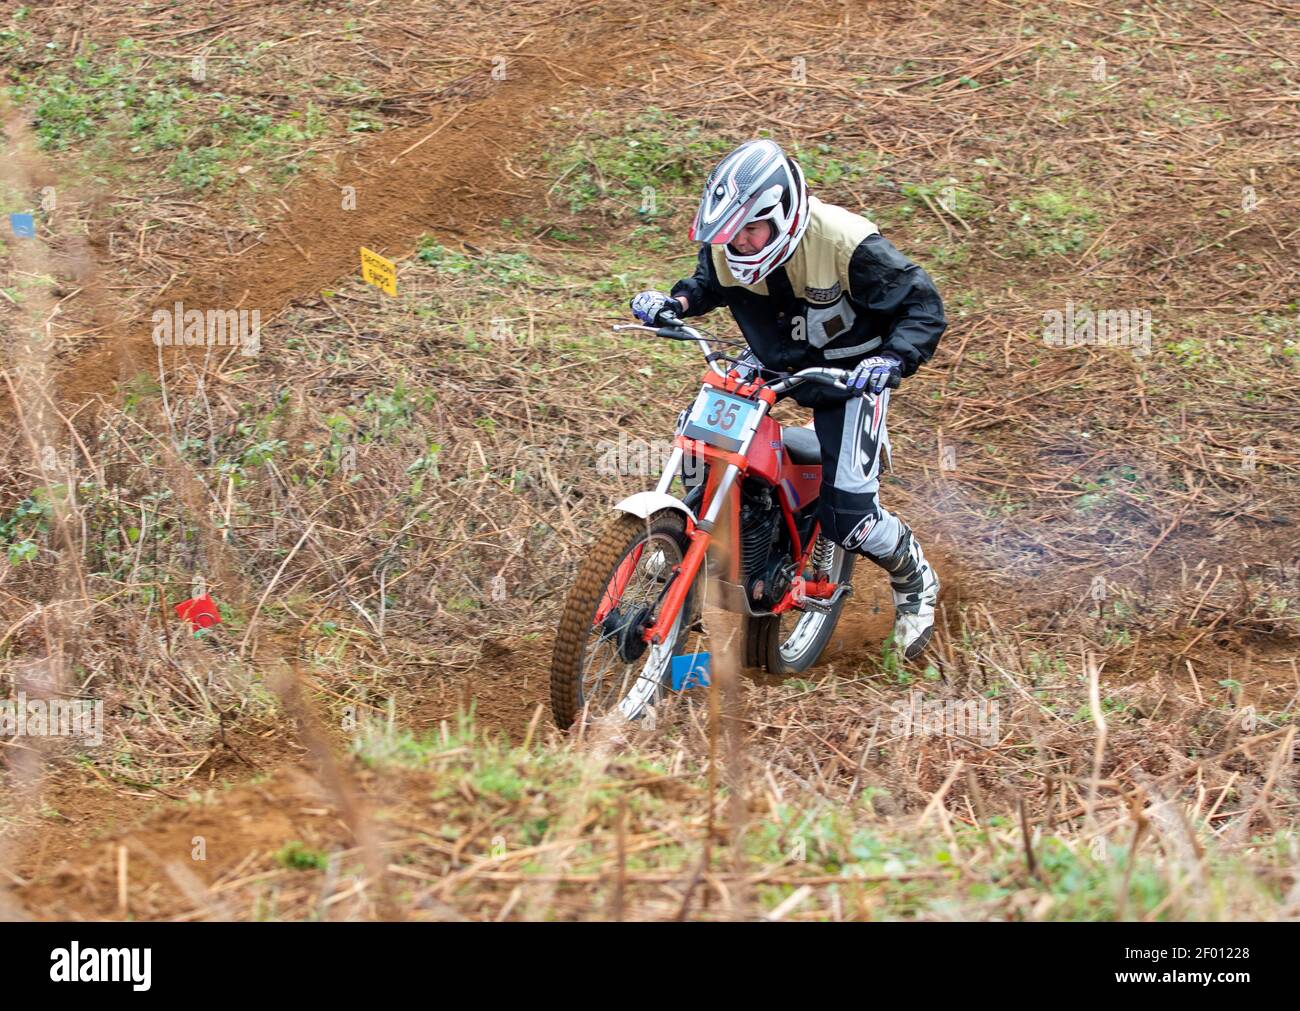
[[812, 284]]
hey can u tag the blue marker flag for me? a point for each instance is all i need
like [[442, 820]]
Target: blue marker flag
[[690, 670], [24, 227]]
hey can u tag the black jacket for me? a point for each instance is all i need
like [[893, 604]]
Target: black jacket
[[891, 304]]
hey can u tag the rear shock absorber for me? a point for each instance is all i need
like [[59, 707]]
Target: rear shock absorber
[[823, 556]]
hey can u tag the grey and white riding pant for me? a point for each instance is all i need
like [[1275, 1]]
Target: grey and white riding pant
[[853, 435]]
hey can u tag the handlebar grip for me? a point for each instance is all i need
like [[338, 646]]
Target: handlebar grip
[[895, 381]]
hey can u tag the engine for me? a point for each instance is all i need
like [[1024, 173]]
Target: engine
[[765, 569]]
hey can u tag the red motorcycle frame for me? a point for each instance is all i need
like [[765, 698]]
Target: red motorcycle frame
[[757, 503], [763, 456]]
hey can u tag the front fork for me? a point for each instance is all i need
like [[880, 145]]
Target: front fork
[[701, 537]]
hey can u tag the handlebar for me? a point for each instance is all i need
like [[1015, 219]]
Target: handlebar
[[823, 376], [679, 331]]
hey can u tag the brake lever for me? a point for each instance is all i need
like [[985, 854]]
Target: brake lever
[[672, 327]]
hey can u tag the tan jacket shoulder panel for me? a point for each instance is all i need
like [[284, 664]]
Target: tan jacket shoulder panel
[[821, 263], [822, 259]]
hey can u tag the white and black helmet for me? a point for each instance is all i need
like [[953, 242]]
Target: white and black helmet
[[756, 182]]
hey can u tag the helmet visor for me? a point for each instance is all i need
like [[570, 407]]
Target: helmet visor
[[725, 228]]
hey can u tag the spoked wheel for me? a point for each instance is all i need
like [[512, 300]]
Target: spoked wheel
[[602, 664], [791, 642]]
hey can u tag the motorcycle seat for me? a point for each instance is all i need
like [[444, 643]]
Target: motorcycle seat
[[801, 444]]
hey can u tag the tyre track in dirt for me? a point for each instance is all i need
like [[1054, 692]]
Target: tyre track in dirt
[[450, 176]]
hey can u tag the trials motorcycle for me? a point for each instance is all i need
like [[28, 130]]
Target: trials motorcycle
[[746, 530]]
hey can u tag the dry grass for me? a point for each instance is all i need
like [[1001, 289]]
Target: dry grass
[[390, 499]]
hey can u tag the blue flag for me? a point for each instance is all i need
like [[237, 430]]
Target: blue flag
[[690, 670], [23, 225]]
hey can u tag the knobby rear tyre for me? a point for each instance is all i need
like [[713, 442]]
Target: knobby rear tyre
[[771, 644]]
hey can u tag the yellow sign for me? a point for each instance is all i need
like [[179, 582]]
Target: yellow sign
[[378, 271]]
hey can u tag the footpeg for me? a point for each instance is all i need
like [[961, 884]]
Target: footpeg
[[822, 605]]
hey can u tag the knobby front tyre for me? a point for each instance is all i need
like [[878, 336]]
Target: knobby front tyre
[[599, 665]]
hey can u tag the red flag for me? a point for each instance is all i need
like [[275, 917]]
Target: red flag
[[200, 612]]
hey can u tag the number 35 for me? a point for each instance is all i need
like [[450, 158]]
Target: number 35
[[724, 414]]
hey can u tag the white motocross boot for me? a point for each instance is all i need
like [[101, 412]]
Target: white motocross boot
[[915, 586]]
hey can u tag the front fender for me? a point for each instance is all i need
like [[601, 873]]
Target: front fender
[[646, 503]]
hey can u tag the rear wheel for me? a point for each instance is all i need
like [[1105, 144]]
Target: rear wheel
[[792, 642], [601, 663]]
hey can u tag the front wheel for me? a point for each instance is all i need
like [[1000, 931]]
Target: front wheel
[[791, 642], [601, 664]]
